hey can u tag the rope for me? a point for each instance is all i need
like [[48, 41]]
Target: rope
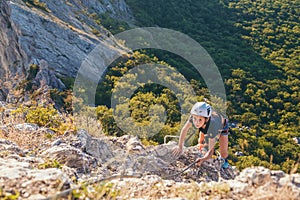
[[186, 168]]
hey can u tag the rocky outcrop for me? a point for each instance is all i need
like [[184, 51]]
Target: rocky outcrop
[[12, 55], [117, 9], [46, 76], [55, 166], [61, 34]]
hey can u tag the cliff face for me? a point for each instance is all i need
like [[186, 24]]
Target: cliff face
[[59, 32], [12, 56]]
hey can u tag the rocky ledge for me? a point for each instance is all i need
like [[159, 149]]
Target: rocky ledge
[[122, 168]]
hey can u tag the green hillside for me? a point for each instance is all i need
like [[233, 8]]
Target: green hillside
[[255, 45], [256, 48]]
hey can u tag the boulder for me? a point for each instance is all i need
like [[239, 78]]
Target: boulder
[[255, 176], [70, 156], [101, 148], [28, 181], [27, 127], [9, 148]]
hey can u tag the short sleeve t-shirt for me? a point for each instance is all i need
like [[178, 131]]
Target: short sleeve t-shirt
[[213, 127]]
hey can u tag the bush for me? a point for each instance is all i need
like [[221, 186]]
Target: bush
[[42, 116], [247, 161]]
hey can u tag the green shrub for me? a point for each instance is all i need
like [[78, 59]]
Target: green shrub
[[42, 116], [26, 85], [248, 161], [50, 164]]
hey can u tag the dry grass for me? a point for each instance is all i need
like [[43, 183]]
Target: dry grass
[[25, 139], [273, 193]]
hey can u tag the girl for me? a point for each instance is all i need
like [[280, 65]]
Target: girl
[[211, 126]]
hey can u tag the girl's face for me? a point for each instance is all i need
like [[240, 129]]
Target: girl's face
[[198, 121]]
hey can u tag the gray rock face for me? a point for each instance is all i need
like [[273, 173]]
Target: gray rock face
[[3, 95], [45, 76], [117, 8], [12, 55], [100, 148], [62, 37]]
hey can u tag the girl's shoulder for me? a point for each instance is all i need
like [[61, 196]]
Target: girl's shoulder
[[216, 119]]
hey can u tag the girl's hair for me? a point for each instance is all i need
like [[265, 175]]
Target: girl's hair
[[214, 113]]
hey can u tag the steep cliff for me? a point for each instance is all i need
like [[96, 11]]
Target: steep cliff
[[60, 32]]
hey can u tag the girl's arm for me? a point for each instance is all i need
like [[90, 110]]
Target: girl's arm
[[209, 154], [183, 133], [177, 151]]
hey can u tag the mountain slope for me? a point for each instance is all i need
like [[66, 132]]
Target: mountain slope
[[60, 32], [254, 45]]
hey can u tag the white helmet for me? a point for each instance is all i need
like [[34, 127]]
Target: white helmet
[[201, 109]]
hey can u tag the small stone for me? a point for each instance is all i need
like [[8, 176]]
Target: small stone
[[239, 187], [26, 195], [57, 142], [169, 183], [285, 181], [37, 197], [296, 179], [277, 173]]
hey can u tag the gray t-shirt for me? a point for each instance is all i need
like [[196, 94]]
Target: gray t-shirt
[[213, 127]]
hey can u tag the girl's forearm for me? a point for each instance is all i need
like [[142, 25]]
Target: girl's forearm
[[183, 133], [181, 138], [208, 154]]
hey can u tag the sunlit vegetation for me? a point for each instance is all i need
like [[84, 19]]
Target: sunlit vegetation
[[255, 46]]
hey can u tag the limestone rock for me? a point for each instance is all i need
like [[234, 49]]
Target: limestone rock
[[70, 156], [29, 182], [239, 187], [296, 179], [100, 148], [27, 127], [60, 34], [9, 148], [85, 158], [135, 145], [255, 176]]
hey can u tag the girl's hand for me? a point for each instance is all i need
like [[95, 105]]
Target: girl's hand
[[199, 162], [201, 146], [177, 152]]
